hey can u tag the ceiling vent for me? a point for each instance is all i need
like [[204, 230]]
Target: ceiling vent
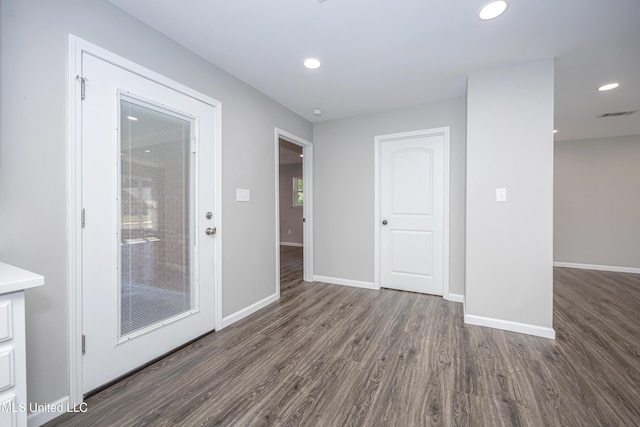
[[618, 114]]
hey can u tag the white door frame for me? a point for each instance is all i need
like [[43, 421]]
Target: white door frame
[[77, 47], [307, 206], [444, 131]]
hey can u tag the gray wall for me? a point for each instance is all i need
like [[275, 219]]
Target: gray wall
[[510, 144], [597, 201], [33, 141], [290, 216], [344, 188]]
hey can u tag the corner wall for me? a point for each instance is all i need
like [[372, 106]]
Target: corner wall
[[510, 244]]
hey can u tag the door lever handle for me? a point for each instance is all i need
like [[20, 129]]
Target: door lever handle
[[210, 231]]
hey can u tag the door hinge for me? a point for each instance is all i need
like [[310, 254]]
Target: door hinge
[[194, 144], [83, 81], [82, 218], [84, 344]]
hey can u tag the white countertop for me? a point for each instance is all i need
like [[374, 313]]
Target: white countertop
[[14, 279]]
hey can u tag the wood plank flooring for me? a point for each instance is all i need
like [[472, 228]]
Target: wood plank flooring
[[327, 355]]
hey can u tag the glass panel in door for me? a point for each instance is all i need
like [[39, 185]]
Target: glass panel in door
[[155, 216]]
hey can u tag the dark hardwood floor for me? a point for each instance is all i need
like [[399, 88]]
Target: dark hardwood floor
[[327, 355]]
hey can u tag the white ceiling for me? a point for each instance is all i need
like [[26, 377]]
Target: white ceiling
[[379, 55]]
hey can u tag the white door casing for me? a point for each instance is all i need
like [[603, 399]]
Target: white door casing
[[307, 208], [411, 201], [143, 86]]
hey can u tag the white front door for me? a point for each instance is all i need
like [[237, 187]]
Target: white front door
[[147, 186], [411, 193]]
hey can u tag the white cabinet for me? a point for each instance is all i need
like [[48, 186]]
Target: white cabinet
[[13, 369]]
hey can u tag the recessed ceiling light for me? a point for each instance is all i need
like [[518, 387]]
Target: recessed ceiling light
[[492, 10], [312, 63], [133, 119], [317, 111], [147, 151], [301, 155], [555, 131], [608, 86]]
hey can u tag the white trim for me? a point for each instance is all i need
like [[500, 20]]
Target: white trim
[[74, 205], [612, 268], [445, 132], [307, 208], [455, 298], [217, 284], [346, 282], [277, 204], [522, 328], [298, 245], [376, 213], [37, 419], [247, 311], [77, 47]]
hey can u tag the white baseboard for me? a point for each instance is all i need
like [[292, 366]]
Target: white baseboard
[[345, 282], [241, 314], [615, 269], [455, 298], [57, 408], [297, 245], [522, 328]]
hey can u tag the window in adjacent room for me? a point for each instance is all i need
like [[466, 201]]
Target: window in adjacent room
[[298, 193]]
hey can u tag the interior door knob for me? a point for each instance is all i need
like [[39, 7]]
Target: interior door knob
[[384, 222]]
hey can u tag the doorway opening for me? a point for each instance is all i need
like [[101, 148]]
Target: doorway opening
[[291, 215], [294, 198]]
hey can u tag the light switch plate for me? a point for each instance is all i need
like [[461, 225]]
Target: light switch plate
[[243, 195], [501, 194]]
